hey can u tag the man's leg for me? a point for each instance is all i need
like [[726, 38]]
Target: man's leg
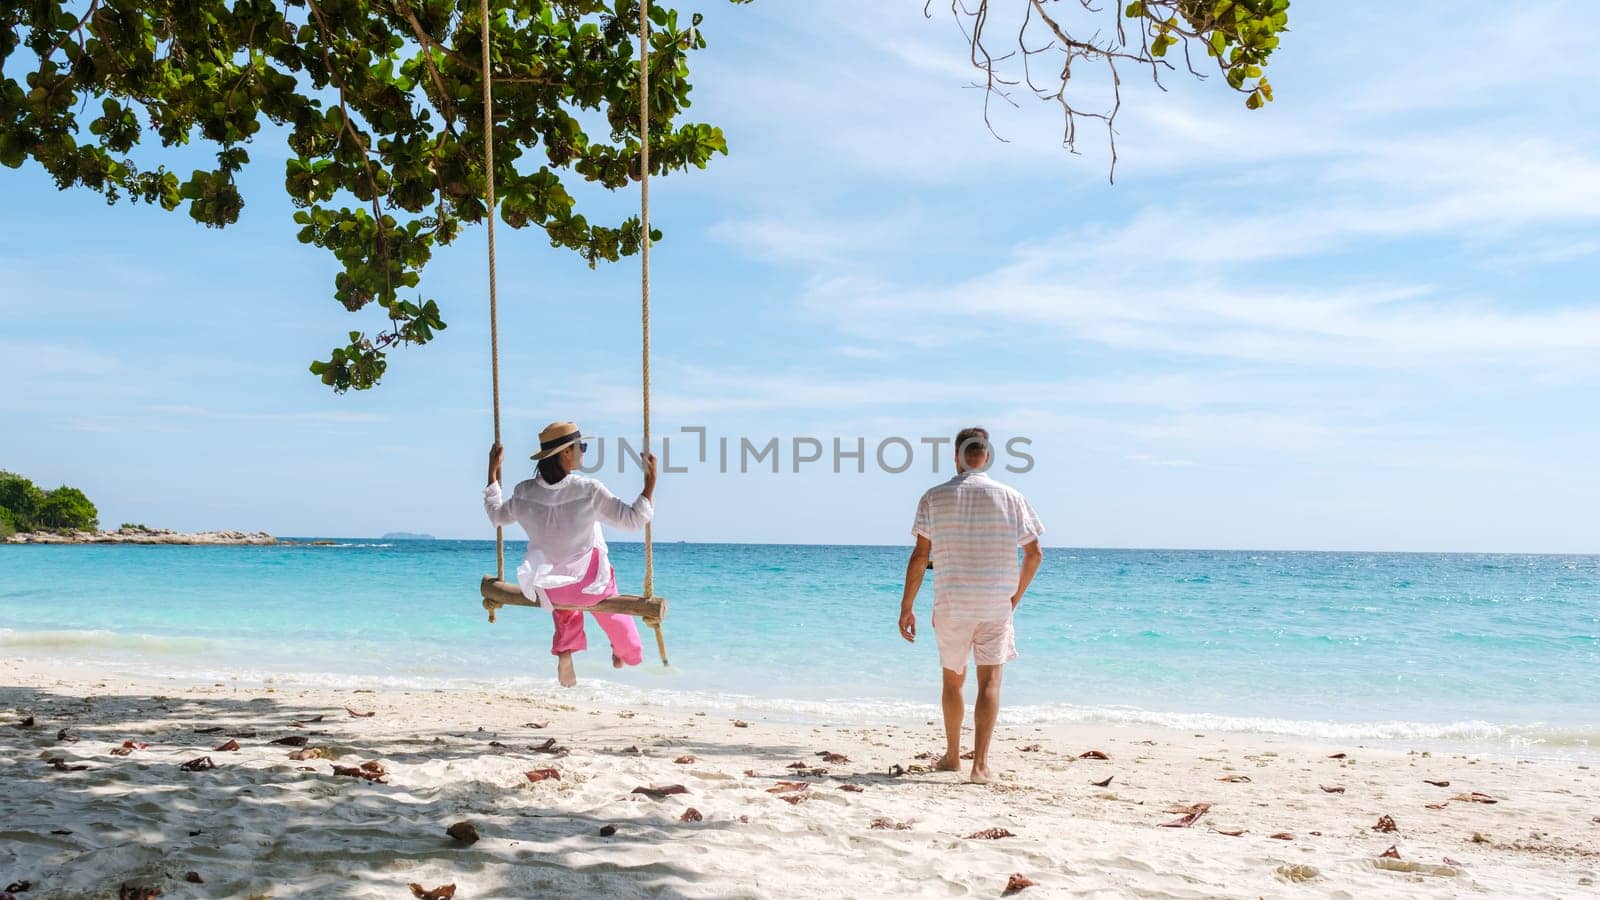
[[983, 718], [954, 711]]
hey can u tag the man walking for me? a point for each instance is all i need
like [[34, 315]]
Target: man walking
[[971, 527]]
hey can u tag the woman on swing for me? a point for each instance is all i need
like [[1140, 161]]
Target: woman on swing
[[567, 561]]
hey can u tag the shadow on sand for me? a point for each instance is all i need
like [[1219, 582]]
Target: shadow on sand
[[260, 822]]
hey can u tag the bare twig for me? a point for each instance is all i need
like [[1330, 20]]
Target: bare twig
[[1161, 24]]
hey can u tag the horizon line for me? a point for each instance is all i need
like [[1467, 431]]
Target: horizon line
[[1046, 547]]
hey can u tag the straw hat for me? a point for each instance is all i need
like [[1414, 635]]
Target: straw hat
[[556, 437]]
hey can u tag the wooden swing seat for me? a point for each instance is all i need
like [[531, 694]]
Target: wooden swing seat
[[506, 593]]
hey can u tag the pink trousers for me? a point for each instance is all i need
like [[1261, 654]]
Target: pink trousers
[[569, 636]]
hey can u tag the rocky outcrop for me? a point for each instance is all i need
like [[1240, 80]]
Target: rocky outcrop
[[144, 536]]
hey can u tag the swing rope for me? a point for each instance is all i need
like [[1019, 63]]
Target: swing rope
[[494, 310], [644, 286]]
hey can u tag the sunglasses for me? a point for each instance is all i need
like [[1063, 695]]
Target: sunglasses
[[583, 446]]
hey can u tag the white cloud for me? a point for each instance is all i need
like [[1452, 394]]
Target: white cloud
[[792, 238], [28, 360], [1385, 326], [324, 417]]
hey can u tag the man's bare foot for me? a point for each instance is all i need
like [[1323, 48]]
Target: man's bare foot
[[948, 763], [980, 775], [564, 671], [616, 661]]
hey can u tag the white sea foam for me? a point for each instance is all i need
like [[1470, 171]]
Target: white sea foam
[[69, 641]]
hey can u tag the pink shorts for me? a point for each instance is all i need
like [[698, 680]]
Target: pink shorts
[[990, 643]]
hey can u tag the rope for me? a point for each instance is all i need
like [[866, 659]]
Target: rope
[[644, 266], [494, 311], [644, 290]]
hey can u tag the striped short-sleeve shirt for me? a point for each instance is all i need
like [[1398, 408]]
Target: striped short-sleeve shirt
[[975, 525]]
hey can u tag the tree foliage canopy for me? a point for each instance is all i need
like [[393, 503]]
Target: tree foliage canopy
[[68, 508], [23, 507], [380, 104], [19, 497]]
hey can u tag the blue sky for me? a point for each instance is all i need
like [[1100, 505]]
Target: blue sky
[[1363, 318]]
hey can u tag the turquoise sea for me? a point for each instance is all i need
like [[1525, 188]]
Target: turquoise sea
[[1450, 649]]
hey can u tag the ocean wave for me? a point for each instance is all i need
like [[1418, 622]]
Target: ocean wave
[[869, 711], [103, 641], [1522, 738]]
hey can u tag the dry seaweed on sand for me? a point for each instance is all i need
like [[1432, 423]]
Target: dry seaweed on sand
[[1187, 815], [1104, 782], [656, 792], [1386, 825], [990, 834], [367, 771], [1016, 883], [1093, 754]]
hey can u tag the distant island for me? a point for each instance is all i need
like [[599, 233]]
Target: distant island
[[140, 534], [407, 536], [30, 515]]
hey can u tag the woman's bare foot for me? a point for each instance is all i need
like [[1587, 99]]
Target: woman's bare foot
[[948, 763], [564, 671], [980, 775], [616, 661]]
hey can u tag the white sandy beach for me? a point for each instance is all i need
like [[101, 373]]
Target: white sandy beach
[[263, 825]]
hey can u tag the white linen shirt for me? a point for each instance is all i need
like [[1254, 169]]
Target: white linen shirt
[[975, 525], [563, 525]]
